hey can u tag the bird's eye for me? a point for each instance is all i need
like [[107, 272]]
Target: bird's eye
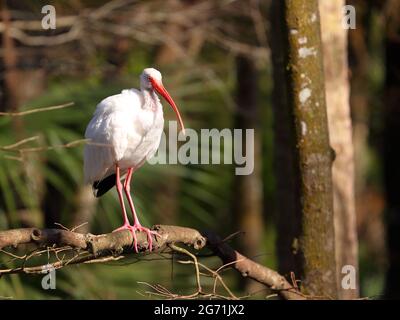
[[150, 79]]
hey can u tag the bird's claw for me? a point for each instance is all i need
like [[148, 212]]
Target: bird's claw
[[139, 228], [149, 235]]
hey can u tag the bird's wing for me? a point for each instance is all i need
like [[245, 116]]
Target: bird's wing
[[110, 132], [98, 156]]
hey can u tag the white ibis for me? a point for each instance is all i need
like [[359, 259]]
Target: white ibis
[[126, 130]]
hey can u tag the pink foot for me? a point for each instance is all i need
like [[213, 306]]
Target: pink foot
[[139, 228], [132, 230], [149, 232]]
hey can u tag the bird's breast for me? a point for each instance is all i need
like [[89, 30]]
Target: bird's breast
[[144, 140]]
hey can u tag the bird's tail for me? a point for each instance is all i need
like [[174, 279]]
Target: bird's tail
[[102, 186]]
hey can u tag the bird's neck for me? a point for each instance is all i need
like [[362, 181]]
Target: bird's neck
[[150, 100]]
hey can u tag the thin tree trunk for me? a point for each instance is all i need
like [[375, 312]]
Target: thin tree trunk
[[21, 83], [167, 204], [307, 98], [85, 208], [334, 38], [247, 202]]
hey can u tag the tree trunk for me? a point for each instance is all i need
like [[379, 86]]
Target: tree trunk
[[247, 202], [23, 80], [334, 38], [391, 147], [285, 159], [167, 204], [306, 96], [85, 210]]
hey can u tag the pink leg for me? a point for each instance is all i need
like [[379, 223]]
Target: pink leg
[[136, 223], [126, 225]]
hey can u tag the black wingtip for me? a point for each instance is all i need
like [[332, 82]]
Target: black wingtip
[[102, 186]]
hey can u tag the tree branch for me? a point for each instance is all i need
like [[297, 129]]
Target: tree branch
[[110, 246]]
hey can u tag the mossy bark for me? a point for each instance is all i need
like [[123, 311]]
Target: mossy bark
[[287, 196], [306, 96]]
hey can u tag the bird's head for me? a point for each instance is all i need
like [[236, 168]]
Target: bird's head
[[151, 79]]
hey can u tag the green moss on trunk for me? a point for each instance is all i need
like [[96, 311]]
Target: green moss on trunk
[[307, 97]]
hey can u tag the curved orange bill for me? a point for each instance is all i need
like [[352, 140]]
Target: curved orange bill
[[158, 86]]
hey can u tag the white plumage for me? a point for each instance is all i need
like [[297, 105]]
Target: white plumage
[[125, 131], [126, 128]]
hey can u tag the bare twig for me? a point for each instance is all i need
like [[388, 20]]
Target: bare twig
[[17, 144], [196, 264], [24, 113]]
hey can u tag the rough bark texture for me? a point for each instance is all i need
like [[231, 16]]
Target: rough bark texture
[[285, 159], [391, 147], [247, 202], [307, 98], [334, 39]]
